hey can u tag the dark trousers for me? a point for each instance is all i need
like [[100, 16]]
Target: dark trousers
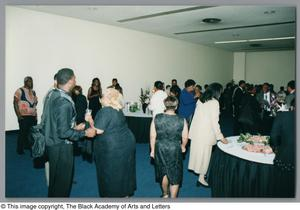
[[23, 138], [236, 126], [267, 122], [61, 163]]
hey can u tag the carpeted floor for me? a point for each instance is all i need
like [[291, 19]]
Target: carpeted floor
[[25, 181]]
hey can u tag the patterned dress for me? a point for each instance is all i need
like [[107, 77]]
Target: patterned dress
[[168, 155]]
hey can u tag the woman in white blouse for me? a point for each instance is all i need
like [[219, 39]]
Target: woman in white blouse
[[157, 100], [205, 131]]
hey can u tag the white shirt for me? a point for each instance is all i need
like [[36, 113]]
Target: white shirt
[[157, 102], [268, 99]]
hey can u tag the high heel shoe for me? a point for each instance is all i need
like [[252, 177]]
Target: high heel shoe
[[165, 195], [198, 184]]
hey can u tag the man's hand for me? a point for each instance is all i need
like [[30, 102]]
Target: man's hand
[[90, 132], [80, 127]]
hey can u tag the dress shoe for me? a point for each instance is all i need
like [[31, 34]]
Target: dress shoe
[[198, 184], [165, 195]]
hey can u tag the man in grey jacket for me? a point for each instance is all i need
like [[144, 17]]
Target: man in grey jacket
[[291, 89], [60, 132]]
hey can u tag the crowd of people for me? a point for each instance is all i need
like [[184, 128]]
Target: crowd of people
[[96, 126], [254, 106]]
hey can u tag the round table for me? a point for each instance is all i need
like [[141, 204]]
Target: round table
[[235, 172], [139, 123], [234, 148]]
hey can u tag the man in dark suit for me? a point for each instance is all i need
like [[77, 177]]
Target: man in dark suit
[[292, 92], [266, 100], [237, 97], [60, 132]]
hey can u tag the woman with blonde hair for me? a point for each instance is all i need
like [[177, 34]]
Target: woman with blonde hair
[[114, 148]]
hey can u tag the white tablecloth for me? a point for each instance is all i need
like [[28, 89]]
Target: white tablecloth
[[234, 148], [136, 114]]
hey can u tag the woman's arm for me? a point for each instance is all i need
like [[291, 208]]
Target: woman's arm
[[184, 136], [152, 138], [89, 119], [215, 112], [89, 94]]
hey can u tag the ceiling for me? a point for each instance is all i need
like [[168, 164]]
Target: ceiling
[[185, 23]]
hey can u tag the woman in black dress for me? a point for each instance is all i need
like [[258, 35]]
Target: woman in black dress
[[94, 95], [80, 104], [283, 140], [80, 107], [114, 149], [168, 138]]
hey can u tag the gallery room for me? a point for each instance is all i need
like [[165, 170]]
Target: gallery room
[[191, 101]]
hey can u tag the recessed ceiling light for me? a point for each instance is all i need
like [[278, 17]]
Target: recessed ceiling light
[[255, 45], [92, 8], [269, 12], [211, 20]]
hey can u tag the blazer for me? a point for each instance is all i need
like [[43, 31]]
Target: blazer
[[187, 104], [205, 124], [289, 99], [261, 100], [237, 100], [60, 120]]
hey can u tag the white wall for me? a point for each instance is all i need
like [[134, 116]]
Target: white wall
[[239, 66], [38, 44], [275, 67]]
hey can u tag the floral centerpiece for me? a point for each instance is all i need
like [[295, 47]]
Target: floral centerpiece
[[145, 98], [254, 139]]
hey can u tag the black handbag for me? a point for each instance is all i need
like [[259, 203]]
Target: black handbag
[[37, 132]]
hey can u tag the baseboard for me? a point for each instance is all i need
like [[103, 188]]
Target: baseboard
[[11, 132]]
